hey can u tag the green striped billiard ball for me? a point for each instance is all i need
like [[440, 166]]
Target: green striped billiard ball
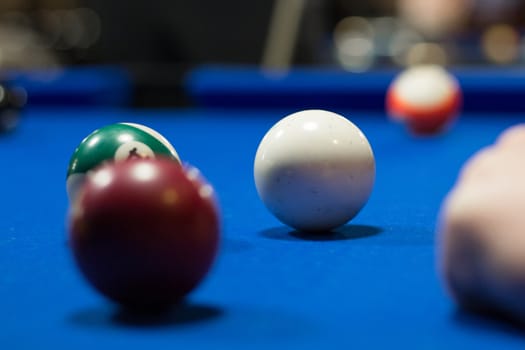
[[114, 143]]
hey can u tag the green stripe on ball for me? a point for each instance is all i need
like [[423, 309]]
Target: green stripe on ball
[[115, 142]]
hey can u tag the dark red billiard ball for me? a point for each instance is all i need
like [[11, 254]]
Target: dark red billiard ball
[[145, 232]]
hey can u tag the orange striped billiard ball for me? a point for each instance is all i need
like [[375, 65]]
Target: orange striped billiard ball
[[426, 98]]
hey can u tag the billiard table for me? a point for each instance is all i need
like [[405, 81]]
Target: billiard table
[[373, 283]]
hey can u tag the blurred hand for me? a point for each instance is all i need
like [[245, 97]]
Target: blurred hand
[[435, 18]]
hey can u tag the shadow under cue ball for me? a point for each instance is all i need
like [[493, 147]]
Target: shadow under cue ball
[[144, 232], [314, 170]]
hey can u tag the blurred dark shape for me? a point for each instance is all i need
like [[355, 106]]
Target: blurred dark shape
[[486, 12], [12, 101], [207, 31], [196, 32], [158, 41]]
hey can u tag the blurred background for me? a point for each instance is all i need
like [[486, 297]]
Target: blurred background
[[157, 41]]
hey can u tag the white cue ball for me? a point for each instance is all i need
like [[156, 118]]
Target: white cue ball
[[314, 170]]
